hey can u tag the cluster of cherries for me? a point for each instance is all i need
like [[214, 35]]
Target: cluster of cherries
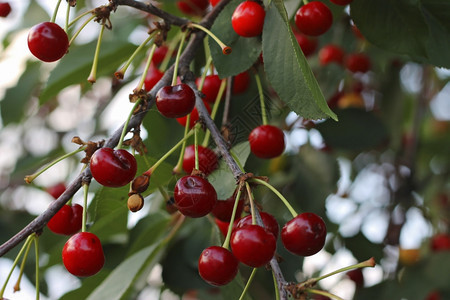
[[5, 9]]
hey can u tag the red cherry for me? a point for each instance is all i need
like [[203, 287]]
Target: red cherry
[[83, 254], [341, 2], [269, 221], [67, 220], [213, 2], [223, 226], [358, 62], [210, 88], [434, 295], [175, 101], [5, 9], [153, 76], [248, 19], [193, 7], [253, 245], [159, 54], [56, 190], [194, 116], [304, 235], [314, 18], [307, 44], [217, 265], [266, 141], [113, 168], [440, 242], [194, 196], [241, 82], [224, 209], [47, 41], [207, 159], [356, 275], [331, 53]]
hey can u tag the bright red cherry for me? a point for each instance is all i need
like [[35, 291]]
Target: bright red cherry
[[307, 44], [67, 220], [83, 254], [314, 18], [440, 242], [358, 62], [224, 209], [194, 196], [357, 276], [213, 2], [210, 88], [207, 159], [193, 7], [253, 245], [240, 83], [175, 101], [269, 221], [341, 2], [48, 41], [5, 9], [248, 19], [304, 235], [222, 225], [56, 190], [159, 54], [266, 141], [194, 116], [331, 53], [217, 265], [153, 76], [113, 168]]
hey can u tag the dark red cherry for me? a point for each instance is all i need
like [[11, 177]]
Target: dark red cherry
[[307, 44], [159, 54], [240, 83], [175, 101], [253, 245], [56, 190], [210, 88], [356, 275], [222, 225], [47, 41], [153, 76], [440, 242], [304, 235], [269, 221], [207, 159], [194, 196], [358, 62], [193, 7], [314, 18], [67, 220], [214, 2], [331, 54], [341, 2], [248, 19], [434, 295], [113, 168], [83, 254], [224, 209], [194, 116], [266, 141], [5, 9], [217, 265]]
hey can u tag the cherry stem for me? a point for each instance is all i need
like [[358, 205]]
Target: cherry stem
[[205, 71], [22, 267], [226, 243], [305, 2], [180, 220], [276, 192], [79, 17], [55, 12], [277, 292], [247, 285], [36, 248], [225, 49], [85, 200], [252, 203], [365, 264], [163, 193], [196, 163], [222, 87], [30, 178], [177, 59], [66, 23], [171, 46], [16, 261], [80, 29], [261, 99], [147, 66], [92, 78], [323, 293], [125, 127], [238, 162], [183, 147]]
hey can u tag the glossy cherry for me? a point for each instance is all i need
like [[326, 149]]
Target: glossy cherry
[[331, 54], [113, 168], [248, 19], [175, 101], [193, 7], [67, 220], [5, 9], [269, 221], [224, 209], [83, 254], [222, 225], [358, 62], [48, 41], [307, 44], [266, 141], [207, 159], [194, 116], [440, 242], [314, 18], [153, 76], [253, 245], [194, 196], [56, 190], [304, 235], [211, 87], [240, 83], [217, 265], [341, 2], [357, 276]]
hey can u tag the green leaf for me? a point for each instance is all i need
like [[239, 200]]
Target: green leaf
[[222, 179], [245, 50], [287, 69], [75, 66]]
